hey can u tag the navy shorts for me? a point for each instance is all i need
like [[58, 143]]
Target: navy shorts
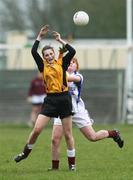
[[57, 105]]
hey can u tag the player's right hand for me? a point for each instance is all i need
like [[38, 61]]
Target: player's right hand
[[43, 30]]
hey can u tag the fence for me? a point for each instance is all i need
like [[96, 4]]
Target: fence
[[102, 93]]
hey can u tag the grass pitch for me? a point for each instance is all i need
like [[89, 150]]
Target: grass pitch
[[102, 160]]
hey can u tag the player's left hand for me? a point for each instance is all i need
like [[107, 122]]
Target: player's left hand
[[56, 35]]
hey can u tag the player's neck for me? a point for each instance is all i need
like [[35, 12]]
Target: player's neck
[[70, 72]]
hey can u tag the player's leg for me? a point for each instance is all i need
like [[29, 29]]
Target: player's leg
[[67, 129], [57, 134], [41, 122], [84, 122], [34, 113], [92, 135]]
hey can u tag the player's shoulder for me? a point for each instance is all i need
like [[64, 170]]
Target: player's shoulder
[[79, 74]]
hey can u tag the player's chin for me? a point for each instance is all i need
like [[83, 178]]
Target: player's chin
[[70, 69], [51, 61]]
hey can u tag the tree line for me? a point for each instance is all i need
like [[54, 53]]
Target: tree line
[[107, 18]]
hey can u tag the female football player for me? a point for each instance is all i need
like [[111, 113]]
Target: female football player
[[58, 102], [81, 117]]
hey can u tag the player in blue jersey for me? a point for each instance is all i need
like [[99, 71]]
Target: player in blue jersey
[[81, 118]]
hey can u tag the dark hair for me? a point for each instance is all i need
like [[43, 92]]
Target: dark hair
[[47, 47]]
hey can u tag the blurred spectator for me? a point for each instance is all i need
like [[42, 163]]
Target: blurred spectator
[[36, 95]]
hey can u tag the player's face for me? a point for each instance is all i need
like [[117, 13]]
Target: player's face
[[72, 67], [49, 55]]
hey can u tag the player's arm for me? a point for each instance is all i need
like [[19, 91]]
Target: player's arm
[[68, 57], [35, 54], [70, 54], [74, 78], [71, 51]]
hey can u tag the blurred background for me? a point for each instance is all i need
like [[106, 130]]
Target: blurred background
[[104, 51]]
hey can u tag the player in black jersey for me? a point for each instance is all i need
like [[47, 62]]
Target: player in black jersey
[[58, 101]]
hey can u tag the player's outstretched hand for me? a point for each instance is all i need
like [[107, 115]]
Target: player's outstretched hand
[[43, 31], [58, 38], [56, 35]]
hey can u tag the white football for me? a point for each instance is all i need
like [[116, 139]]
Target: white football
[[81, 18]]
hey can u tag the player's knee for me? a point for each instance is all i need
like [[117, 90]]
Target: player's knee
[[93, 137], [55, 140]]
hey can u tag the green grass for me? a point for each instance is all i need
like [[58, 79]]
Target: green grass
[[102, 160]]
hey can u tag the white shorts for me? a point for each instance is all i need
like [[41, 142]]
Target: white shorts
[[81, 116], [81, 119], [37, 99]]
